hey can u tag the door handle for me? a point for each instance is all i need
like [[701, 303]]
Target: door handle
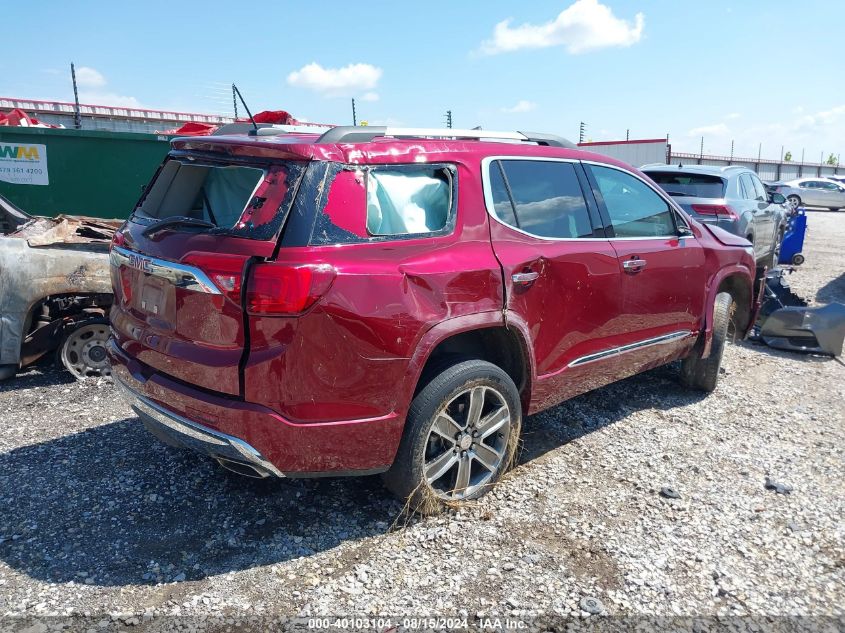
[[525, 278], [634, 265]]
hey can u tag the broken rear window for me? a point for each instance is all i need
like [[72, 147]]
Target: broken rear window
[[244, 200], [387, 202]]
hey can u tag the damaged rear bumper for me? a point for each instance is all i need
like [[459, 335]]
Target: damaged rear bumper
[[245, 436], [171, 428]]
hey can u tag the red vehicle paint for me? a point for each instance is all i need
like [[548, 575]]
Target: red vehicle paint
[[300, 329]]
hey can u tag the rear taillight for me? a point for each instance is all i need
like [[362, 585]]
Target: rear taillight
[[118, 239], [224, 271], [721, 211], [279, 289]]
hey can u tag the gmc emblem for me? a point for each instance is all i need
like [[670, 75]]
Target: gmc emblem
[[141, 263]]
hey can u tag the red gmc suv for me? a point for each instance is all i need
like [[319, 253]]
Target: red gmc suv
[[378, 300]]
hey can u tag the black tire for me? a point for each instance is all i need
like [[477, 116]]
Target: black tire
[[8, 371], [453, 388], [794, 200], [703, 373]]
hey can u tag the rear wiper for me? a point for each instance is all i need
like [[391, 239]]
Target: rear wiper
[[676, 193], [176, 220]]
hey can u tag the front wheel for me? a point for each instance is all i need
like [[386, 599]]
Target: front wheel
[[794, 200], [460, 437], [703, 373]]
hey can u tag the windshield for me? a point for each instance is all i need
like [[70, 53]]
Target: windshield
[[246, 200], [693, 185]]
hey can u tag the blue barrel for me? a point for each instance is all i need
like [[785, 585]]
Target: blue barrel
[[793, 239]]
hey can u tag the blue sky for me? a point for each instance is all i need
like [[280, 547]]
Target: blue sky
[[751, 71]]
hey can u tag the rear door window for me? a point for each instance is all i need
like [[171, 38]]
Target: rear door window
[[693, 185], [543, 198], [759, 189], [244, 200], [634, 208], [748, 187]]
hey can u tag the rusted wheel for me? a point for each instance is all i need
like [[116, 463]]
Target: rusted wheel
[[83, 350]]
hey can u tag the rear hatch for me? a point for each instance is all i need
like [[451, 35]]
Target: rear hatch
[[179, 264], [700, 195]]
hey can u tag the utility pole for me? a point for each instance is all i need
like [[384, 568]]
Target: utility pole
[[77, 115], [449, 119], [701, 151], [759, 151], [581, 133], [730, 160], [235, 100], [627, 135], [354, 114]]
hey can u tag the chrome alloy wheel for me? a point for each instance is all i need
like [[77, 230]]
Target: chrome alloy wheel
[[467, 442]]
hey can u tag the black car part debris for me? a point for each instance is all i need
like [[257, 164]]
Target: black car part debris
[[787, 322]]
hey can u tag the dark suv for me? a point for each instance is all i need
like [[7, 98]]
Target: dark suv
[[394, 301]]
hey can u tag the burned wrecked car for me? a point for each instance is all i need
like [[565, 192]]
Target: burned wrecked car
[[55, 291]]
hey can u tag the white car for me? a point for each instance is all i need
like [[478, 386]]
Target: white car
[[813, 192]]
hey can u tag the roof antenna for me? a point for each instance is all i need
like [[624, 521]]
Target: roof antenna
[[254, 131]]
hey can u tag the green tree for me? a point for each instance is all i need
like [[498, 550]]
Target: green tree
[[831, 160], [787, 157]]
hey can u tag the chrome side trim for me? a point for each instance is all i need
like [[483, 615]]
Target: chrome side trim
[[180, 275], [193, 435], [616, 351]]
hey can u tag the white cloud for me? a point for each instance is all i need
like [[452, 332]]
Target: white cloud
[[108, 99], [523, 105], [821, 119], [87, 77], [732, 116], [717, 129], [586, 25], [815, 131], [93, 90], [370, 96], [337, 82]]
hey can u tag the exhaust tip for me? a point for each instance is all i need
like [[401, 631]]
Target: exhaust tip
[[241, 468]]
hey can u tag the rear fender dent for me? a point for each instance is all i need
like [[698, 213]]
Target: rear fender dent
[[458, 325]]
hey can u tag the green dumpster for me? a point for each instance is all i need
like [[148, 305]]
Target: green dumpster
[[47, 171]]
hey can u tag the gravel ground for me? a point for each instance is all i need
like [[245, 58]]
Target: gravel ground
[[101, 522]]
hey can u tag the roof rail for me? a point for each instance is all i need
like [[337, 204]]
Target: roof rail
[[365, 133], [268, 129]]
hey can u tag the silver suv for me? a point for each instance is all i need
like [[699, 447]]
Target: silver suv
[[731, 197]]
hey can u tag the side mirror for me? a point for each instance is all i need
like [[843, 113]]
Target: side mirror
[[684, 231], [777, 198]]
